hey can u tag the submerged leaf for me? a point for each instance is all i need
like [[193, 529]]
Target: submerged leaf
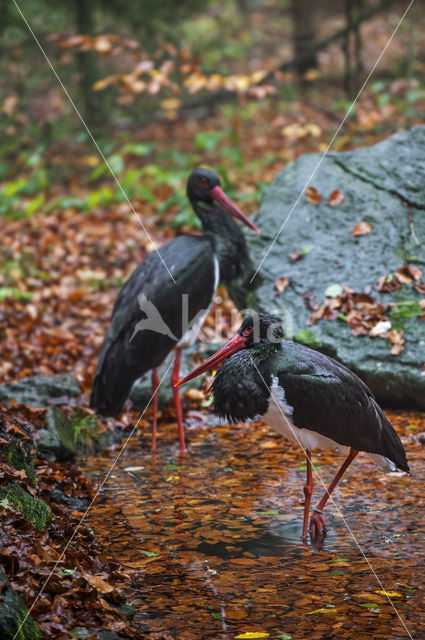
[[322, 610]]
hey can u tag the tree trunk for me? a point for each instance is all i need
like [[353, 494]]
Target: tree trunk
[[352, 47], [94, 111], [303, 35]]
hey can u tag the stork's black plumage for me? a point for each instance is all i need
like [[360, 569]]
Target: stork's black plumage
[[152, 312], [308, 397]]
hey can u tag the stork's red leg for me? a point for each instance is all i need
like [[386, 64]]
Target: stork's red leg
[[308, 490], [317, 521], [175, 376], [155, 385]]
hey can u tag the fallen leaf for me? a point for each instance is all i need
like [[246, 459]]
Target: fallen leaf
[[195, 394], [390, 594], [397, 339], [380, 328], [407, 273], [149, 554], [333, 291], [252, 634], [268, 444], [294, 256], [323, 610], [361, 229], [97, 582], [10, 103], [370, 597], [335, 198], [313, 195], [280, 284]]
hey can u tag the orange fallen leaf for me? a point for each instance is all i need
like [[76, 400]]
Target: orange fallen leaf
[[280, 284], [407, 273], [361, 229], [313, 195], [335, 198], [195, 394], [397, 339], [268, 444], [98, 583]]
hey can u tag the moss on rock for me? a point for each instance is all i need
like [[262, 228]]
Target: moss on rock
[[32, 509], [15, 621]]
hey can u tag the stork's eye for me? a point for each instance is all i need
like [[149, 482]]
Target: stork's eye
[[204, 181], [247, 332]]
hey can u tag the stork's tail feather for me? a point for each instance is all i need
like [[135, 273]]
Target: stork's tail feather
[[391, 445], [111, 388]]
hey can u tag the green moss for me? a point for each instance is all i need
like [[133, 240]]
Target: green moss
[[32, 509], [308, 338], [17, 457], [403, 311], [13, 614]]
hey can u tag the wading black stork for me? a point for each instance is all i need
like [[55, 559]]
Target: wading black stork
[[153, 314], [309, 398]]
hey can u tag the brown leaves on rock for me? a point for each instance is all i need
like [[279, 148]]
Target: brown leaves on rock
[[397, 340], [280, 284], [364, 314], [361, 229], [407, 274], [335, 198], [359, 310], [313, 195]]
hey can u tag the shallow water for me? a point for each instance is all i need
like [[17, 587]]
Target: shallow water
[[211, 539]]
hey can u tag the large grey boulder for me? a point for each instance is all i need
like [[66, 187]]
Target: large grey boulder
[[383, 185]]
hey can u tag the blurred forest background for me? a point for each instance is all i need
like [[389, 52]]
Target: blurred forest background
[[243, 86]]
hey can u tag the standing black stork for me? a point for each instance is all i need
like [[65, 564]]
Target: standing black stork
[[154, 313], [306, 396]]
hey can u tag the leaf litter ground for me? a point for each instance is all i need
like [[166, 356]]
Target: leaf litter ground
[[211, 538]]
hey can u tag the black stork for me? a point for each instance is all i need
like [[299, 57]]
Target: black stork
[[306, 396], [154, 312]]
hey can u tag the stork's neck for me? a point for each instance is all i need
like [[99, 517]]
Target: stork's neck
[[227, 238], [241, 386]]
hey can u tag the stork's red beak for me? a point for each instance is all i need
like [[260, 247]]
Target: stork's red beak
[[219, 196], [235, 344]]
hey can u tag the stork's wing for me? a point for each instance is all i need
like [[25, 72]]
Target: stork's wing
[[129, 350], [330, 399]]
